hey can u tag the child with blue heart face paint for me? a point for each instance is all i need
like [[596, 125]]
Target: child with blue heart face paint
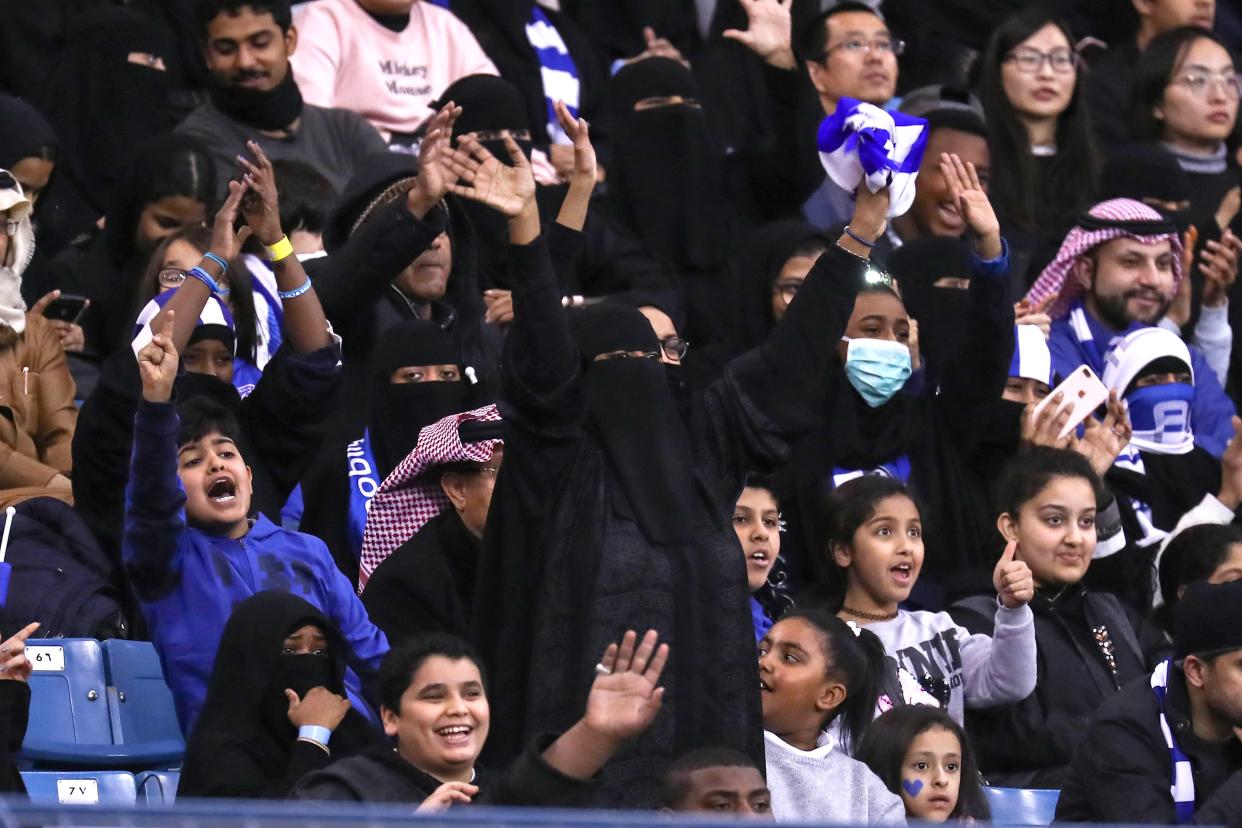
[[925, 757]]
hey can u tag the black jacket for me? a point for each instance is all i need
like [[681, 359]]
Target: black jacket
[[14, 712], [1122, 770], [1029, 744], [427, 584], [382, 776]]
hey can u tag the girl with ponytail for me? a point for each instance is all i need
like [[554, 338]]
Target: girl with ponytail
[[817, 672]]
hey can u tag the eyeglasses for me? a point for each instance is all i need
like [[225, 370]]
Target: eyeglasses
[[487, 472], [627, 355], [858, 46], [1030, 61], [1197, 82], [788, 290], [675, 347], [171, 277]]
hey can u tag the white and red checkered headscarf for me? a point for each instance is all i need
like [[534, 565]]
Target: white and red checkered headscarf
[[1056, 281], [409, 497]]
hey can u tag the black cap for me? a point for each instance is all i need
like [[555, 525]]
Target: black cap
[[1208, 619]]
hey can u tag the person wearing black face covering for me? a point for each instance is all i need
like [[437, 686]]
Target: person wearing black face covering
[[667, 188], [609, 509], [253, 96], [416, 378], [934, 274], [276, 707], [770, 271]]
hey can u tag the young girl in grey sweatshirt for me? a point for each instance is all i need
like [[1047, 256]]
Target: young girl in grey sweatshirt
[[815, 671], [876, 540]]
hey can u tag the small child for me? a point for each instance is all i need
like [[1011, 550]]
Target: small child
[[814, 670], [192, 550], [757, 522], [876, 540], [924, 757]]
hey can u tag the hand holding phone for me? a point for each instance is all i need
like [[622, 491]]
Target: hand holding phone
[[1081, 393], [67, 307]]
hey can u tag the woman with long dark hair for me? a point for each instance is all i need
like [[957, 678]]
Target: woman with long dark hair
[[1044, 166]]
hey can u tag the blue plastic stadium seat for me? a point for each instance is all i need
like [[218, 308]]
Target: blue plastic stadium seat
[[1022, 806], [157, 787], [76, 719], [143, 708], [81, 787]]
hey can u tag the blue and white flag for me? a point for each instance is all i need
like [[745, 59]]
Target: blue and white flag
[[861, 142]]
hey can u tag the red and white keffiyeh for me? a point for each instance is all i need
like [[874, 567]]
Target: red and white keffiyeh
[[1056, 281], [409, 497]]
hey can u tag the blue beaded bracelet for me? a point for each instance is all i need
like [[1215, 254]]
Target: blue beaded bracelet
[[204, 277], [224, 266], [864, 242], [297, 291]]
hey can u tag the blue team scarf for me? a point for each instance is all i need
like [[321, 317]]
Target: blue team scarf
[[556, 66], [1088, 332], [1182, 788], [898, 469], [364, 482]]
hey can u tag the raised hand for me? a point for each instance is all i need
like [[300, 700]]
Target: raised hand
[[769, 31], [1219, 264], [1026, 313], [433, 177], [578, 131], [157, 362], [261, 204], [447, 795], [14, 666], [1227, 211], [320, 706], [658, 47], [1179, 311], [1231, 469], [225, 241], [963, 182], [624, 702], [506, 189], [1101, 442], [1012, 578]]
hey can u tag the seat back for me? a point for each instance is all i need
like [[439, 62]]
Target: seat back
[[68, 692], [1022, 806], [144, 709], [157, 787], [81, 787]]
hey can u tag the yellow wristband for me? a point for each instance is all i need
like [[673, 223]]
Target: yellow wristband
[[282, 249]]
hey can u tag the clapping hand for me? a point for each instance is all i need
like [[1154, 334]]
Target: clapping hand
[[1012, 578], [1231, 469], [433, 176], [972, 202], [226, 242], [769, 31], [658, 47], [261, 203], [1219, 265], [157, 362], [483, 178], [1027, 313]]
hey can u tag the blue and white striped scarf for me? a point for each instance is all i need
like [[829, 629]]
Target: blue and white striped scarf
[[1182, 788], [556, 66]]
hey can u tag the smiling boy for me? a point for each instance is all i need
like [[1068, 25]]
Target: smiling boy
[[192, 550]]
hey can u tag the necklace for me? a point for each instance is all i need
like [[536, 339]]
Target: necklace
[[869, 616]]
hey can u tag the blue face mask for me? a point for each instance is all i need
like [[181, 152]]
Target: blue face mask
[[1160, 417], [877, 368]]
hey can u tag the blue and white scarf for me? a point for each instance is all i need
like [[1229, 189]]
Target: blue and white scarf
[[899, 469], [861, 143], [364, 482], [1182, 788], [556, 66]]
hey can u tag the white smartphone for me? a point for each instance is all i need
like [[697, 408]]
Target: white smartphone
[[1081, 390]]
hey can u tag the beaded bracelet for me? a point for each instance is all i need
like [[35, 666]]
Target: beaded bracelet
[[224, 266], [204, 277], [297, 291], [864, 242]]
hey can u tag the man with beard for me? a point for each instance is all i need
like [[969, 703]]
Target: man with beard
[[611, 508], [1119, 270], [1166, 748], [247, 44]]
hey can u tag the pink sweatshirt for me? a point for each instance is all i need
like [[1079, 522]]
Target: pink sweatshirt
[[344, 58]]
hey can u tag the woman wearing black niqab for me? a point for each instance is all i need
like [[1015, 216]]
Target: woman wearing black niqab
[[244, 745], [759, 266]]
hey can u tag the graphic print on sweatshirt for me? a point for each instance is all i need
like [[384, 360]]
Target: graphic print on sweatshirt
[[936, 663]]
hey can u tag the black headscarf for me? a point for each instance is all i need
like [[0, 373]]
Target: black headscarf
[[246, 708], [759, 265], [666, 177], [634, 413], [101, 105], [379, 179], [617, 25], [941, 311], [25, 132], [399, 412]]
